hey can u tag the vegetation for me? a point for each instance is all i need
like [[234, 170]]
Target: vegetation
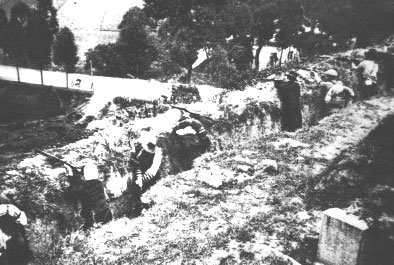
[[65, 51]]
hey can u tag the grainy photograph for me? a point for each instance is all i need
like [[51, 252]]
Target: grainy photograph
[[197, 132]]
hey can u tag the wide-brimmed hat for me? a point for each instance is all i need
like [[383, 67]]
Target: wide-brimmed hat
[[331, 72], [148, 142]]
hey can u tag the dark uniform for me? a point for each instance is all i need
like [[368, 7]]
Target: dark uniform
[[145, 165], [93, 202], [90, 193], [188, 147], [289, 95]]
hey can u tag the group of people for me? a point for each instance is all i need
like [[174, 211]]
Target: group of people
[[335, 94]]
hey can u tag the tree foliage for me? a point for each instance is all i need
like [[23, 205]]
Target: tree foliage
[[3, 33], [136, 42], [65, 50], [38, 38], [105, 60]]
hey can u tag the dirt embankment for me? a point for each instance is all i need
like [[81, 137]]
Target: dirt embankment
[[21, 101], [33, 116]]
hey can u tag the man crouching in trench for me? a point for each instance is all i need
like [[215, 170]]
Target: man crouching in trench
[[86, 188], [145, 163]]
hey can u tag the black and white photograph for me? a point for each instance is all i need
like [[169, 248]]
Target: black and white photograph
[[197, 132]]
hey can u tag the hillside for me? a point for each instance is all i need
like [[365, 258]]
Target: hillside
[[255, 198]]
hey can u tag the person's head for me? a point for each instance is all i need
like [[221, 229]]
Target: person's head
[[148, 142], [90, 170], [371, 54], [292, 76], [331, 74]]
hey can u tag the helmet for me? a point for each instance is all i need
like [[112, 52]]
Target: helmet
[[331, 72]]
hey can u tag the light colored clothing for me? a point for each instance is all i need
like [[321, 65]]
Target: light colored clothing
[[368, 69], [148, 169], [338, 90]]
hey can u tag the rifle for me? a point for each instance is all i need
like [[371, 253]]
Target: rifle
[[75, 170], [193, 114]]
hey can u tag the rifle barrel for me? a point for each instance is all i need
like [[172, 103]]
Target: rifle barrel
[[54, 157]]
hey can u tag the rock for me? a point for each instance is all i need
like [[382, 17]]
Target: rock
[[300, 160], [215, 178], [245, 169], [288, 142], [342, 238], [266, 166]]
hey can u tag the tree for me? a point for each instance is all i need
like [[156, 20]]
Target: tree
[[263, 27], [188, 27], [3, 34], [48, 12], [105, 58], [20, 13], [135, 43], [290, 23], [38, 39], [65, 51]]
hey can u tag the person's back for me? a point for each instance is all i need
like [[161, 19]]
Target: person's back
[[289, 94], [367, 72], [91, 194], [338, 96], [368, 68]]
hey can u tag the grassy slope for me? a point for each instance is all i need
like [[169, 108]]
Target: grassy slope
[[193, 223]]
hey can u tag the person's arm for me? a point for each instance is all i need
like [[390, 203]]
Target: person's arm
[[348, 89], [143, 178], [329, 95]]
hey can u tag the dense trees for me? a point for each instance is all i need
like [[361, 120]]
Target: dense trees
[[3, 33], [29, 34], [165, 37], [65, 51]]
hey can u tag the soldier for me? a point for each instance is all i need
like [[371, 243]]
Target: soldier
[[338, 97], [145, 163], [86, 188], [289, 94], [367, 72], [189, 139], [14, 246]]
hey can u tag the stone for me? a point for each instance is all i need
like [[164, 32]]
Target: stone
[[215, 178], [341, 239], [267, 165]]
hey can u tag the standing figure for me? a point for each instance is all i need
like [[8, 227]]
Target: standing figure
[[367, 72], [289, 95], [145, 163]]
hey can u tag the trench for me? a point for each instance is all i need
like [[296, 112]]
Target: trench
[[56, 216]]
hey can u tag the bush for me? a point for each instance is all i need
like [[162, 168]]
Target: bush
[[185, 94]]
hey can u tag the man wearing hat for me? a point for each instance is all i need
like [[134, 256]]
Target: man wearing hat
[[367, 72], [145, 163], [189, 139], [289, 95], [334, 94]]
